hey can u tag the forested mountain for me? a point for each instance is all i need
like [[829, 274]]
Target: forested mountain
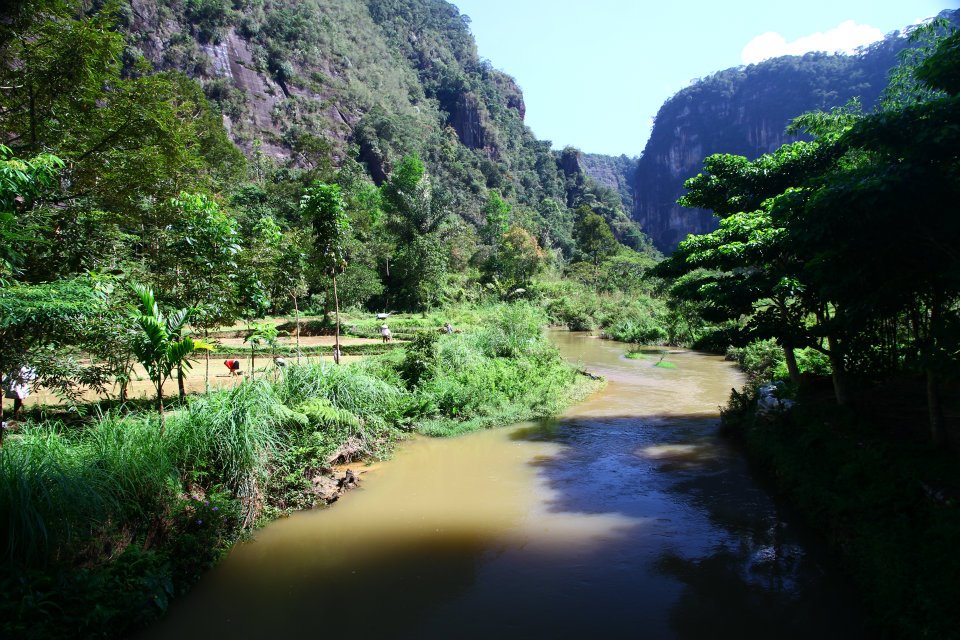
[[310, 82], [178, 120], [745, 110]]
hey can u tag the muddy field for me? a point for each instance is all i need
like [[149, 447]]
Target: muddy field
[[196, 378]]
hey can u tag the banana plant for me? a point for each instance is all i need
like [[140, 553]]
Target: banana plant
[[161, 347]]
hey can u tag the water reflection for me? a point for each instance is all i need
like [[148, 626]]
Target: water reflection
[[626, 517]]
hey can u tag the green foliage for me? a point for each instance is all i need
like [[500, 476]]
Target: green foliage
[[225, 438], [496, 212], [412, 205], [872, 497], [161, 346], [519, 257], [324, 206], [420, 273], [22, 182], [760, 360], [594, 238], [419, 356], [199, 264], [49, 496], [39, 324]]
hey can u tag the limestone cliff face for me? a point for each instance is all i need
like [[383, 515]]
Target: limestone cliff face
[[613, 172], [743, 111], [287, 74]]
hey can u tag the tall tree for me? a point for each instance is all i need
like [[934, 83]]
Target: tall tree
[[324, 206]]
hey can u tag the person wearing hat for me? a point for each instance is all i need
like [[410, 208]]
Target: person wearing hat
[[385, 333]]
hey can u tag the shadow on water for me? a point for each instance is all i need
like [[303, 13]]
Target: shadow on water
[[745, 570]]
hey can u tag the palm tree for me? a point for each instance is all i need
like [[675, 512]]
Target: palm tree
[[161, 347]]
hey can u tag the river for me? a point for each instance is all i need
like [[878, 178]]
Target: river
[[627, 516]]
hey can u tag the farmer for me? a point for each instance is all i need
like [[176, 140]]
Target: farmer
[[16, 385], [448, 328], [385, 333], [233, 366]]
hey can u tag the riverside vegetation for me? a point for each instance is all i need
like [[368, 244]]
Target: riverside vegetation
[[110, 518], [835, 266]]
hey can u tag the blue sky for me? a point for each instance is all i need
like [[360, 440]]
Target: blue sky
[[595, 72]]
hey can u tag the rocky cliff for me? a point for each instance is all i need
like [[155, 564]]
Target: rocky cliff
[[305, 81], [745, 111], [613, 172]]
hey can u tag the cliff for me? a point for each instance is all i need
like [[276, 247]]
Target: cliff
[[744, 111], [613, 172], [304, 81]]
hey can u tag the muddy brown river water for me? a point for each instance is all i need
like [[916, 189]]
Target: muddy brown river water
[[627, 517]]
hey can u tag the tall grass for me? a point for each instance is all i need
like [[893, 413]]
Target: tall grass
[[226, 438], [135, 461], [51, 495], [351, 388]]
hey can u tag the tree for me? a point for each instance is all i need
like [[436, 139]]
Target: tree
[[594, 238], [881, 229], [260, 334], [520, 256], [22, 182], [749, 268], [40, 323], [290, 276], [412, 206], [496, 213], [421, 270], [162, 346], [198, 267], [324, 206]]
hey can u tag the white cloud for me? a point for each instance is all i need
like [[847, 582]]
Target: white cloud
[[846, 37]]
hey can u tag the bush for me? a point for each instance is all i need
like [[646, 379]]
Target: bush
[[641, 330], [514, 331], [226, 437], [759, 359]]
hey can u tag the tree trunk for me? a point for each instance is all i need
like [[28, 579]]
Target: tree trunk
[[124, 381], [253, 360], [33, 119], [159, 384], [792, 368], [296, 312], [336, 329], [206, 375], [937, 431], [935, 409], [180, 385], [839, 377]]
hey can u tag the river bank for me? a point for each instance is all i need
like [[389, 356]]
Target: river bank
[[113, 518], [887, 503]]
